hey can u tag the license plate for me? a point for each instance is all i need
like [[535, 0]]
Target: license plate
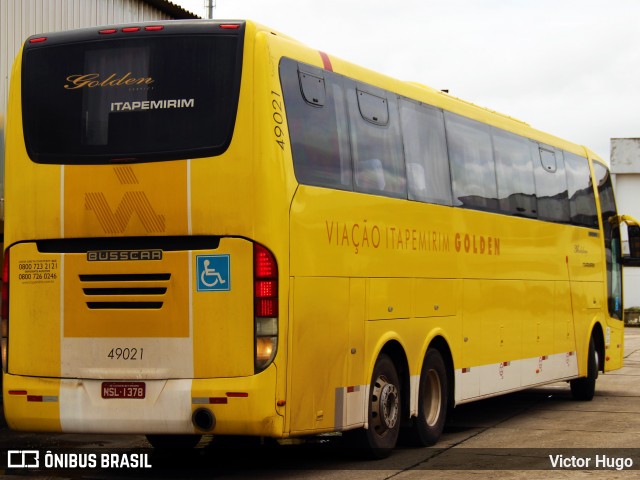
[[123, 389]]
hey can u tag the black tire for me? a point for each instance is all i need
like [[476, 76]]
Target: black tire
[[172, 442], [379, 440], [433, 400], [585, 388]]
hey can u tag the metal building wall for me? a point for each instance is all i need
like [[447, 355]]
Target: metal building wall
[[625, 172], [22, 18]]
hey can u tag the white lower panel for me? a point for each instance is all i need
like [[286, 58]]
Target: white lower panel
[[166, 408], [487, 380], [415, 394], [127, 358], [351, 407]]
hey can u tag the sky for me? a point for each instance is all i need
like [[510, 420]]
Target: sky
[[568, 67]]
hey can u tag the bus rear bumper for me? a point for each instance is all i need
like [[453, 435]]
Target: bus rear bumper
[[240, 406]]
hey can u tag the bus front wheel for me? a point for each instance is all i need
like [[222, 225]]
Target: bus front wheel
[[433, 399], [585, 388]]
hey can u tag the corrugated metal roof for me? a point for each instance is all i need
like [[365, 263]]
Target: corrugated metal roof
[[21, 18], [172, 9]]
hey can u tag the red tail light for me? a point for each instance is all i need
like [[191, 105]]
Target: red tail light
[[265, 264], [265, 283], [265, 296]]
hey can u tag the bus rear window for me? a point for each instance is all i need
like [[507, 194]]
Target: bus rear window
[[137, 98]]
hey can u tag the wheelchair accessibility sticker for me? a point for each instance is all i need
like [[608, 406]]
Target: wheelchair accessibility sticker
[[214, 273]]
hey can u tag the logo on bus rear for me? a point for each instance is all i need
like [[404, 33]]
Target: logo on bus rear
[[123, 255], [214, 273]]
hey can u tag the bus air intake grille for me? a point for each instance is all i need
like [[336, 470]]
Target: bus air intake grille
[[135, 291]]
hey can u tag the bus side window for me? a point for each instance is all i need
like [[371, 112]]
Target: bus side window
[[551, 185], [473, 172], [375, 142], [425, 149], [315, 107], [514, 171], [582, 202]]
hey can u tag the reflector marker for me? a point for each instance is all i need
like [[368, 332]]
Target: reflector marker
[[42, 398], [17, 392], [237, 394], [209, 400]]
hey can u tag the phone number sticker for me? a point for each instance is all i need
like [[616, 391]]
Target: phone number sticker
[[38, 271]]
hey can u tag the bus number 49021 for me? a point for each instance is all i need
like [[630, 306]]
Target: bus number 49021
[[278, 119], [126, 353]]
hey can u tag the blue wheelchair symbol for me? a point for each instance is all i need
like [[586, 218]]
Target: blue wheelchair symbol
[[213, 272]]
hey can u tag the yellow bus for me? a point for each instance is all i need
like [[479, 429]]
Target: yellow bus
[[212, 229]]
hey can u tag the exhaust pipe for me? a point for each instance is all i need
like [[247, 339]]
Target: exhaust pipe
[[203, 419]]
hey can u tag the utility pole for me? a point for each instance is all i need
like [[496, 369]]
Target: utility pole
[[211, 4]]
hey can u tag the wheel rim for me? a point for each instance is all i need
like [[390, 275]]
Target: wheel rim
[[384, 405], [432, 398]]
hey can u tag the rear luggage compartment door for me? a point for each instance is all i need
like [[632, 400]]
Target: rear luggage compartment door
[[132, 313]]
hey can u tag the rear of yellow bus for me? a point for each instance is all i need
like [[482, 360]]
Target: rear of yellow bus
[[145, 234]]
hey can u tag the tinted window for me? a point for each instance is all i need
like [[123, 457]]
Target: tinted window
[[157, 97], [425, 150], [472, 168], [514, 172], [612, 244], [375, 142], [551, 185], [582, 202], [318, 129]]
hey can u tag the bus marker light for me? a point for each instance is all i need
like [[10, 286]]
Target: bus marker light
[[38, 40], [154, 28], [17, 392], [107, 31], [229, 26], [130, 29], [237, 394]]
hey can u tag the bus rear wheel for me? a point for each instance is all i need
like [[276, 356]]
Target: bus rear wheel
[[380, 438], [585, 388], [433, 399]]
